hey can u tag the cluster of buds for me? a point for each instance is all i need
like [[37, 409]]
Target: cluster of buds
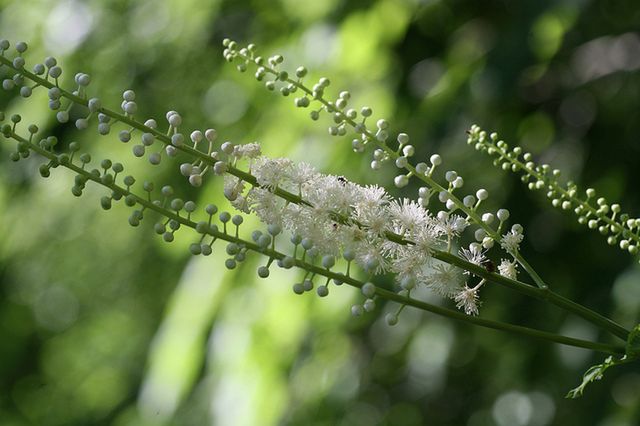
[[595, 212]]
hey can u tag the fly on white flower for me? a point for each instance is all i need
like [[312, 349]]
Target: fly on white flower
[[368, 214]]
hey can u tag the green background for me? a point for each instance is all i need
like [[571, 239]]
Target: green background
[[101, 323]]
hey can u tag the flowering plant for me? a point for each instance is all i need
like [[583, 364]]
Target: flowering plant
[[443, 242]]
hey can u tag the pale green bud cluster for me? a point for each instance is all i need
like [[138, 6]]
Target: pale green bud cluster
[[592, 211]]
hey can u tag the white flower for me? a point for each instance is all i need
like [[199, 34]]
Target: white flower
[[467, 299], [511, 241], [233, 187], [406, 215], [446, 280], [266, 205], [296, 218], [233, 191], [369, 208], [374, 219], [406, 259], [249, 150], [330, 193], [407, 280], [508, 269], [371, 196], [370, 257], [427, 235], [270, 173], [303, 173], [452, 225], [241, 204], [474, 255], [327, 235], [368, 213]]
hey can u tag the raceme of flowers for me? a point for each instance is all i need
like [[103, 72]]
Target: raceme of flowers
[[330, 221], [345, 118], [368, 213], [619, 228]]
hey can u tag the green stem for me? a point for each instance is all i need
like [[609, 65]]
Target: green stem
[[411, 169], [543, 293], [386, 294], [590, 210], [539, 293]]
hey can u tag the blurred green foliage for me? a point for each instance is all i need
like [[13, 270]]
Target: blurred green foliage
[[104, 324]]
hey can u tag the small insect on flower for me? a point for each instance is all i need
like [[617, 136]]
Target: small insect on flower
[[489, 265]]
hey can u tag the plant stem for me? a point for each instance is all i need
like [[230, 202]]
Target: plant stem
[[386, 294], [538, 293], [542, 293], [330, 107]]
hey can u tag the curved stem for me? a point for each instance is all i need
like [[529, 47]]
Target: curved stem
[[543, 293], [553, 185], [538, 293], [330, 107], [386, 294]]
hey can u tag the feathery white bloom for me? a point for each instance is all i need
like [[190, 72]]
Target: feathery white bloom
[[266, 205], [371, 196], [406, 259], [369, 208], [303, 173], [452, 225], [233, 190], [370, 257], [474, 255], [270, 173], [296, 218], [508, 269], [427, 236], [241, 204], [446, 280], [467, 299], [510, 241], [407, 280], [233, 187], [249, 150], [327, 235], [330, 193], [369, 212], [405, 215]]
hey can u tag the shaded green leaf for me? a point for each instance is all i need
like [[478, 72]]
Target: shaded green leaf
[[594, 373]]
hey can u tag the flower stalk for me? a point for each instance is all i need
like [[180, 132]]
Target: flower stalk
[[223, 163], [145, 203], [249, 57]]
